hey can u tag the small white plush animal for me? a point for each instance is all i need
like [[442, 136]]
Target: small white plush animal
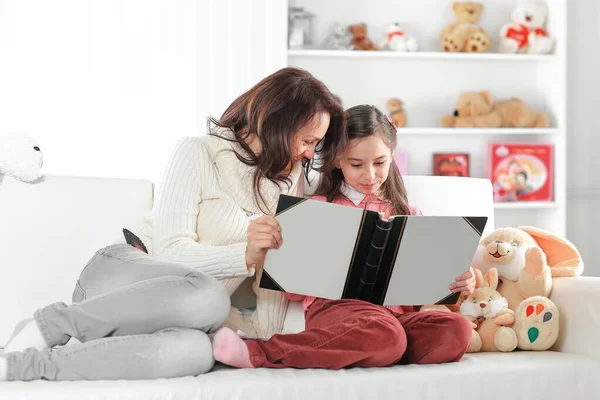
[[339, 39], [20, 157], [397, 40], [526, 33]]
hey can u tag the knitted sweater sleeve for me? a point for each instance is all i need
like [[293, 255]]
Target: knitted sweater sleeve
[[176, 209]]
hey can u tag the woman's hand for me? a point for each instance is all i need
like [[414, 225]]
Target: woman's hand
[[263, 234], [464, 283]]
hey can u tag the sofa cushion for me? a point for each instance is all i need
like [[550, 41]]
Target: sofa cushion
[[489, 376]]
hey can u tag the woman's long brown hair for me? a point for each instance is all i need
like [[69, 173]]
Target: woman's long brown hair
[[275, 109], [364, 121]]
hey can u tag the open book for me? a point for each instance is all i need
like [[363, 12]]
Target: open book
[[339, 252]]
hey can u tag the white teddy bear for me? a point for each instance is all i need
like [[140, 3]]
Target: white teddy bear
[[526, 33], [397, 40], [20, 157]]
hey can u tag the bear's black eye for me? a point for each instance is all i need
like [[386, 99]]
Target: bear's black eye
[[36, 148], [514, 244]]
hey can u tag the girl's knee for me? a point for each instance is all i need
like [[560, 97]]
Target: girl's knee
[[458, 333], [386, 342]]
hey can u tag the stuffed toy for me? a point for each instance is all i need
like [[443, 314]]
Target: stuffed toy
[[396, 112], [481, 110], [360, 40], [488, 311], [20, 157], [465, 35], [527, 259], [339, 39], [397, 40], [526, 33]]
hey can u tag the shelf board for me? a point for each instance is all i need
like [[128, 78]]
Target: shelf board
[[525, 205], [476, 131], [317, 53]]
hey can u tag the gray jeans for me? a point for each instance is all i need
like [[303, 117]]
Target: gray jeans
[[136, 317]]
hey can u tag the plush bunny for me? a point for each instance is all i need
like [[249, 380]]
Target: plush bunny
[[488, 311], [20, 157], [527, 259]]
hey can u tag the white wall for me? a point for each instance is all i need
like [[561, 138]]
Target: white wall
[[107, 86], [583, 142]]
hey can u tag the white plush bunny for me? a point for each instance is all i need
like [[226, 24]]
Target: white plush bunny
[[20, 157]]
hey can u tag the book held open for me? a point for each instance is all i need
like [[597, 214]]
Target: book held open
[[339, 252]]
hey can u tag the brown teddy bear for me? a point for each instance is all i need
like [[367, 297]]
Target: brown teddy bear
[[481, 110], [527, 260], [396, 111], [488, 311], [465, 35], [360, 40]]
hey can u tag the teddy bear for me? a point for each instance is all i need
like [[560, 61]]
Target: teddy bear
[[488, 311], [339, 39], [527, 259], [465, 35], [360, 40], [20, 157], [397, 40], [481, 110], [526, 33], [395, 108]]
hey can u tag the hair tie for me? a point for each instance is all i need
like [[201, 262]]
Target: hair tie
[[391, 122]]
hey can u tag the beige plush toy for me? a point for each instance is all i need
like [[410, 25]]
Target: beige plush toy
[[481, 110], [527, 259], [395, 108], [465, 35], [489, 313]]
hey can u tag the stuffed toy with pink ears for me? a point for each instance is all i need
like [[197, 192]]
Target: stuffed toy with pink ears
[[20, 157]]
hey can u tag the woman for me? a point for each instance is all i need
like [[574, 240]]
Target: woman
[[143, 317]]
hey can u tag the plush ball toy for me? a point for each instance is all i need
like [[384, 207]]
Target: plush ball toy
[[488, 311], [395, 109], [526, 33], [527, 259], [360, 40], [465, 35], [481, 110], [20, 157], [397, 40]]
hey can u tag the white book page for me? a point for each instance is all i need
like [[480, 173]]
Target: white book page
[[318, 244], [433, 252]]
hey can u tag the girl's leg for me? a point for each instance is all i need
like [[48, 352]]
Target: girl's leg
[[168, 353], [435, 337], [340, 333], [167, 295]]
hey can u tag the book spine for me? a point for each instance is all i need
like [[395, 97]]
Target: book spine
[[388, 259], [373, 261]]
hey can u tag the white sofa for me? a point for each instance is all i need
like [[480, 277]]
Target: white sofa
[[49, 230]]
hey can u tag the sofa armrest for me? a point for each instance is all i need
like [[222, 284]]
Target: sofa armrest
[[578, 300]]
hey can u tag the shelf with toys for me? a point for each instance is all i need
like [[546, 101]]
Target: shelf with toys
[[344, 54], [453, 76]]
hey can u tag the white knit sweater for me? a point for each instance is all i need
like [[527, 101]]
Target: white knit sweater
[[201, 215]]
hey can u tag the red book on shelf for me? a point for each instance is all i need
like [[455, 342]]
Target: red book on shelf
[[521, 171], [451, 164]]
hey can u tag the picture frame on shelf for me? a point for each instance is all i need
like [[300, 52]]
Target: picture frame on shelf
[[451, 164]]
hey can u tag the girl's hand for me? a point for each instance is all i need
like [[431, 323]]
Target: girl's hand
[[464, 283], [263, 234]]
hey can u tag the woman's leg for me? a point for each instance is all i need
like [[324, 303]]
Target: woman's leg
[[340, 333], [166, 295], [435, 337], [168, 353]]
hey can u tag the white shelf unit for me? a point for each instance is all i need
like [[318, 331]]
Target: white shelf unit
[[430, 81]]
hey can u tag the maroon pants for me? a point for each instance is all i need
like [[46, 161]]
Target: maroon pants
[[354, 333]]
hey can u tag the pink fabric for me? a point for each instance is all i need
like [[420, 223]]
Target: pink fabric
[[371, 203]]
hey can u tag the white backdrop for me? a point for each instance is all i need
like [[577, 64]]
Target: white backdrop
[[107, 86]]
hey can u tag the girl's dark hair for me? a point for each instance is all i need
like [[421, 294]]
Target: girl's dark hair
[[275, 109], [363, 121]]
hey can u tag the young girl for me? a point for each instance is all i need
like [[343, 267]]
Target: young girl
[[355, 333]]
